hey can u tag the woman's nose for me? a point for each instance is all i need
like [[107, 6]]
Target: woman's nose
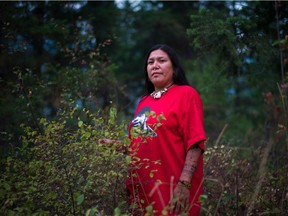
[[155, 64]]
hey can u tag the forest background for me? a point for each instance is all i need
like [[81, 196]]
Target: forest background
[[71, 74]]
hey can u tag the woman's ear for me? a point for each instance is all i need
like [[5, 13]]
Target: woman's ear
[[174, 75]]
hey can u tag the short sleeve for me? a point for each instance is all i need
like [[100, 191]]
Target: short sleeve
[[193, 127]]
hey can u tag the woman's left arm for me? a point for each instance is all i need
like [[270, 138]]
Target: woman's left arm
[[181, 195]]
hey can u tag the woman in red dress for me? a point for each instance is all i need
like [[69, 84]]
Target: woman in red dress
[[167, 141]]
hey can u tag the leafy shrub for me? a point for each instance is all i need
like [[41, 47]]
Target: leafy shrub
[[231, 181], [251, 180], [65, 169]]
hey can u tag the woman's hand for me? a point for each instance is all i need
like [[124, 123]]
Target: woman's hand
[[108, 141], [180, 201]]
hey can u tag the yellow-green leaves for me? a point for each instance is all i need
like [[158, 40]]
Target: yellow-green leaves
[[80, 124], [65, 166]]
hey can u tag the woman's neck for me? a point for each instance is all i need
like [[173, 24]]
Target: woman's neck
[[163, 88]]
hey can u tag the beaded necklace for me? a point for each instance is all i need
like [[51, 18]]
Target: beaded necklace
[[158, 94]]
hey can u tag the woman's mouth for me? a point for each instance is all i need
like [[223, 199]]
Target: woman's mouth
[[155, 74]]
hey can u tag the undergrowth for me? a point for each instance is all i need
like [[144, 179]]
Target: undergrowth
[[65, 168]]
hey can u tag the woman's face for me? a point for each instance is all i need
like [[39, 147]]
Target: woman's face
[[160, 69]]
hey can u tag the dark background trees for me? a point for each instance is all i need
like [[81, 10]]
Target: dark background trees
[[56, 56]]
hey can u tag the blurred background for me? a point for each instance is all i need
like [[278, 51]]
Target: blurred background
[[92, 53]]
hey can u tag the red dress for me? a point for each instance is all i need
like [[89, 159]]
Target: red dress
[[161, 133]]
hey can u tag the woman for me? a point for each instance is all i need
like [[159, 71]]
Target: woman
[[167, 141]]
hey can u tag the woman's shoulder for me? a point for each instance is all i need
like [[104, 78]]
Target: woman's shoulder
[[188, 93], [142, 100], [189, 98], [187, 88]]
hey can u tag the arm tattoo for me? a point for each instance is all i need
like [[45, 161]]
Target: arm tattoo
[[191, 162]]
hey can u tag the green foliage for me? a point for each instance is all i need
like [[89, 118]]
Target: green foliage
[[69, 169], [212, 86], [233, 59], [250, 180], [49, 56]]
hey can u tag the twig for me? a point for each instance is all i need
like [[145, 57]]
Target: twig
[[261, 173], [220, 135], [278, 35]]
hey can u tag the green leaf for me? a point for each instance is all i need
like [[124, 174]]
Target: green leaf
[[80, 123], [203, 198], [87, 134], [91, 212], [112, 115], [117, 212], [149, 209], [106, 133], [164, 212], [128, 159], [80, 199]]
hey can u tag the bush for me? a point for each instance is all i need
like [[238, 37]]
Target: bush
[[65, 169], [77, 165], [231, 183]]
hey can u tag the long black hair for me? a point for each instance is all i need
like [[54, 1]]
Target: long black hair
[[179, 76]]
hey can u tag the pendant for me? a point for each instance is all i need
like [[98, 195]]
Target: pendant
[[157, 95]]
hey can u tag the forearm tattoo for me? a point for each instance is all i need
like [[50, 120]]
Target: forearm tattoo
[[191, 162]]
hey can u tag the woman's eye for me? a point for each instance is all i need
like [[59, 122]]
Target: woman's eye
[[162, 60], [150, 62]]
